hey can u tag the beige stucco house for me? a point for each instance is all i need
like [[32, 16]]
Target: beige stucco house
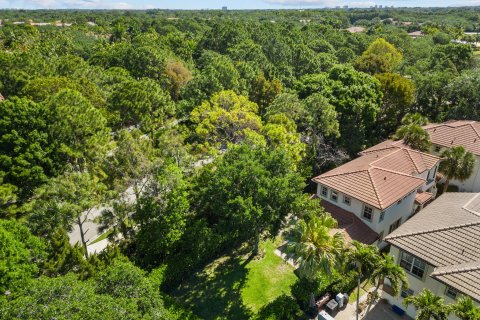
[[464, 133], [439, 248], [374, 194]]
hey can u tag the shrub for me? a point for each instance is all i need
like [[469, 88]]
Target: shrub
[[282, 308]]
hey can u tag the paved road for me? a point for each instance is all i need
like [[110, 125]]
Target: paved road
[[91, 228]]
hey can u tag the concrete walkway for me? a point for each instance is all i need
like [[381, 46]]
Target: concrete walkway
[[381, 310]]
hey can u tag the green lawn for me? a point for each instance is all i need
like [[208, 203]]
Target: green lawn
[[364, 286], [234, 287]]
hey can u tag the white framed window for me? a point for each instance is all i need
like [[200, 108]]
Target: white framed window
[[367, 212], [382, 216], [334, 195], [347, 200], [324, 191], [451, 292], [412, 265], [406, 293], [395, 225]]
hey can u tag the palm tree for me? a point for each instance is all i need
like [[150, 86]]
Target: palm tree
[[386, 268], [314, 247], [428, 306], [457, 163], [365, 258], [465, 309], [414, 136]]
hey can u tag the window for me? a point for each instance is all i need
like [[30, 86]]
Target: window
[[406, 293], [451, 293], [437, 148], [324, 191], [412, 265], [368, 212], [382, 215], [334, 195], [347, 200], [394, 225]]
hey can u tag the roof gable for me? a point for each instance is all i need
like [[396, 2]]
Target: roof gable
[[380, 176], [446, 234], [456, 133]]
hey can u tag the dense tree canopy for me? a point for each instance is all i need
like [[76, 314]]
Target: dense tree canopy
[[177, 137]]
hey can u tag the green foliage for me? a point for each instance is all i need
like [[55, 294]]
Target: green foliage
[[237, 197], [356, 97], [322, 116], [77, 129], [380, 57], [414, 136], [20, 254], [161, 216], [63, 201], [465, 308], [464, 97], [398, 96], [141, 103], [282, 308], [40, 89], [314, 248], [457, 163], [26, 152], [226, 118], [121, 291], [428, 305]]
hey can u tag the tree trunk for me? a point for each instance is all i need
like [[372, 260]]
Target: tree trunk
[[445, 187], [375, 292], [257, 243], [358, 296], [82, 235]]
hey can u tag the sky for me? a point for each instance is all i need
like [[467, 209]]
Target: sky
[[231, 4]]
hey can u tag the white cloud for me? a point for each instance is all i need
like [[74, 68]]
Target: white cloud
[[121, 5]]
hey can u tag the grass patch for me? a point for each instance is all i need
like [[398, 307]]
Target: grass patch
[[102, 237], [267, 278], [364, 287], [235, 287]]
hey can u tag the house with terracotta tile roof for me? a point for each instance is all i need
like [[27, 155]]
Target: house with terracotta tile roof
[[374, 194], [439, 248], [463, 133]]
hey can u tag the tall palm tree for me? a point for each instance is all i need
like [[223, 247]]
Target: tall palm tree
[[465, 309], [428, 306], [314, 247], [364, 257], [457, 163], [386, 268]]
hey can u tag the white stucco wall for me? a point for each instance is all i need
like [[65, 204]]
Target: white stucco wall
[[396, 211], [472, 184], [417, 285]]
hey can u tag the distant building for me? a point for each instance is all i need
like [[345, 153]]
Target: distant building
[[416, 34], [224, 8]]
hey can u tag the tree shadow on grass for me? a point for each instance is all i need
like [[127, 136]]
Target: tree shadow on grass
[[215, 292]]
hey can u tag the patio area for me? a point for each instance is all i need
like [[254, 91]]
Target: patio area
[[381, 310]]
